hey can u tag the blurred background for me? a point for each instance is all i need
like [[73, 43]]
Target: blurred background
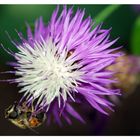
[[125, 23]]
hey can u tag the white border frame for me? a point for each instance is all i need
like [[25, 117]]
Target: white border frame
[[69, 2]]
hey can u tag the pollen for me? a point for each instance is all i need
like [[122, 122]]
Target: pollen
[[33, 122]]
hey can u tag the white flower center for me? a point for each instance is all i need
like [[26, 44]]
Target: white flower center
[[45, 74]]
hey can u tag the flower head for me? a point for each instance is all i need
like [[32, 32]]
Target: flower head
[[128, 76], [66, 61]]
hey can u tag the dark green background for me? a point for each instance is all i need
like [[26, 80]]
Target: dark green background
[[14, 17]]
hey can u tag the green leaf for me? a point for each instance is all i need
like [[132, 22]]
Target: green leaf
[[135, 38]]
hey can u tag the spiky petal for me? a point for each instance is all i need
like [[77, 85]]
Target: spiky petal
[[66, 59]]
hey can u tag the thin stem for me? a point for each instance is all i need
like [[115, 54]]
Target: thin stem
[[103, 15]]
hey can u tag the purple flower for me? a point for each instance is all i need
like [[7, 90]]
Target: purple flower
[[65, 61]]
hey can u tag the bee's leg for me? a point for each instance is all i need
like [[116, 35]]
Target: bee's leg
[[33, 130]]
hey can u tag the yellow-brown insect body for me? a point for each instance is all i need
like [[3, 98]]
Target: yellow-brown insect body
[[24, 116]]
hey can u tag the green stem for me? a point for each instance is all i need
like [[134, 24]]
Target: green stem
[[103, 15]]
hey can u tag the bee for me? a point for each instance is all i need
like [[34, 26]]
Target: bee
[[24, 117]]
